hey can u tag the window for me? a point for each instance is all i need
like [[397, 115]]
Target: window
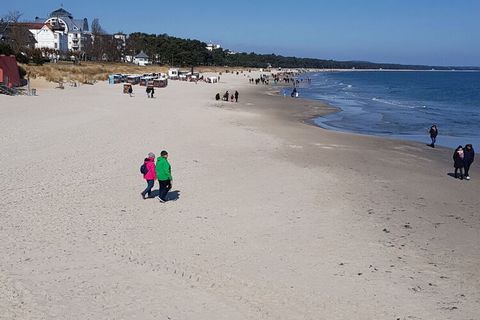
[[55, 45]]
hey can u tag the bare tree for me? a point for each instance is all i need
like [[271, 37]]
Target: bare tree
[[13, 16], [96, 27], [15, 33]]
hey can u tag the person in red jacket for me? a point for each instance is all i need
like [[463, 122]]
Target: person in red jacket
[[150, 175]]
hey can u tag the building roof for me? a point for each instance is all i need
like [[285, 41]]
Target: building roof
[[73, 25], [60, 13], [30, 25], [142, 55]]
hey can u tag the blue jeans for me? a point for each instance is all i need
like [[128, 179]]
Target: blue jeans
[[434, 139], [148, 190]]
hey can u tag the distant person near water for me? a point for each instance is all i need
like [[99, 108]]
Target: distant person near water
[[149, 174], [294, 93], [468, 158], [433, 135], [164, 176], [458, 161], [236, 96]]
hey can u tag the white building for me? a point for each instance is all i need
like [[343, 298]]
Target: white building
[[141, 59], [212, 46], [76, 29], [47, 38]]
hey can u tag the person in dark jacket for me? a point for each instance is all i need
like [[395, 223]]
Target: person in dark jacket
[[433, 134], [468, 157], [236, 96], [458, 161]]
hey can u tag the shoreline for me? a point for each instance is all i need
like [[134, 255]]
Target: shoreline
[[333, 109], [448, 142]]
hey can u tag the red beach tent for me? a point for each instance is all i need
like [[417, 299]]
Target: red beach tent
[[9, 74]]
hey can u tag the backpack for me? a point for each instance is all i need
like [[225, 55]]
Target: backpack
[[143, 169]]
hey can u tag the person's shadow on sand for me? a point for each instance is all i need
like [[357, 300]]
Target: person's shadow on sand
[[171, 196], [451, 174]]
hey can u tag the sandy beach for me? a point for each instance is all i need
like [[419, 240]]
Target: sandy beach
[[270, 218]]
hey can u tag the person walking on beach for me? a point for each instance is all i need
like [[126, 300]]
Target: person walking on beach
[[468, 158], [149, 174], [152, 92], [433, 135], [236, 96], [164, 176], [294, 93], [458, 161], [130, 91]]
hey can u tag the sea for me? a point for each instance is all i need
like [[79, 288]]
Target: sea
[[400, 104]]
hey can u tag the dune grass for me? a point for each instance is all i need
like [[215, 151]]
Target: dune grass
[[89, 72]]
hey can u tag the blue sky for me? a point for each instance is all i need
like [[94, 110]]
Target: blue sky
[[435, 32]]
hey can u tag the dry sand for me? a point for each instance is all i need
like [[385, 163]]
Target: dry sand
[[272, 218]]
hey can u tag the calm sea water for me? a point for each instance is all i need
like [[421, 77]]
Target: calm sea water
[[401, 104]]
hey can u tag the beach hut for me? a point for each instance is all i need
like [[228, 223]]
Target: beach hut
[[160, 82], [133, 79], [211, 79], [173, 74], [9, 75], [193, 76], [114, 78], [146, 81], [126, 86]]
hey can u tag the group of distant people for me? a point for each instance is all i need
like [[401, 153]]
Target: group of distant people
[[149, 90], [463, 157], [161, 171], [226, 96], [263, 79]]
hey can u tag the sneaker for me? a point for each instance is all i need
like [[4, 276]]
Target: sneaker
[[467, 177], [143, 196], [161, 200]]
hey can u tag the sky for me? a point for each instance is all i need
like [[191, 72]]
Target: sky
[[433, 32]]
